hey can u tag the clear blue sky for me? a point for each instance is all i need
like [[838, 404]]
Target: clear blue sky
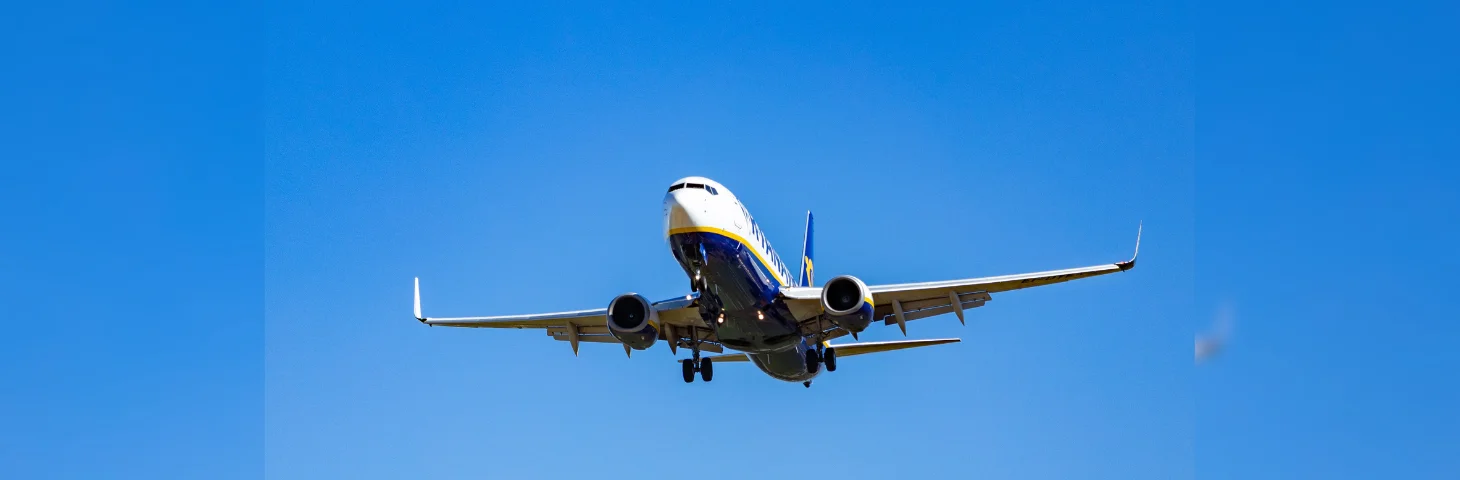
[[216, 215]]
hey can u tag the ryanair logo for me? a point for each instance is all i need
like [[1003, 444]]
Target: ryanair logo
[[810, 269]]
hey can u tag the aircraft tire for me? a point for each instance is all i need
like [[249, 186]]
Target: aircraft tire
[[830, 359], [707, 369], [689, 370]]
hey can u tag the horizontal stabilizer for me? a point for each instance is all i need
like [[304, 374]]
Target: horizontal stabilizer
[[850, 349]]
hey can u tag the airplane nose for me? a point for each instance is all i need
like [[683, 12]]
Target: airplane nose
[[681, 211]]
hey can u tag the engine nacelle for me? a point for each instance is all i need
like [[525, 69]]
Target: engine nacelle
[[848, 303], [632, 320]]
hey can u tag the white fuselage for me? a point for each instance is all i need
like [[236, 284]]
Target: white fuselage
[[738, 274]]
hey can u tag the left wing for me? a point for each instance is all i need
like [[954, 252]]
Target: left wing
[[585, 325], [900, 303]]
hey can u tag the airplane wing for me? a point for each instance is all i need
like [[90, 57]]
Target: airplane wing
[[851, 349], [591, 326], [903, 302]]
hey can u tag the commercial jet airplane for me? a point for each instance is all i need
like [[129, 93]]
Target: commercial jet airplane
[[744, 298]]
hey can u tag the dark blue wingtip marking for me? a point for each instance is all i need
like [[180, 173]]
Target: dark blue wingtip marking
[[1129, 264]]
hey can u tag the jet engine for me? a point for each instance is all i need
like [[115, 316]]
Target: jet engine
[[632, 320], [848, 303]]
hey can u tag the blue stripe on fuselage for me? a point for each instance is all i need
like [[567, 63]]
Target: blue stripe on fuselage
[[745, 287]]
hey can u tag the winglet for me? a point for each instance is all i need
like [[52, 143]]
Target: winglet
[[418, 301], [1129, 264]]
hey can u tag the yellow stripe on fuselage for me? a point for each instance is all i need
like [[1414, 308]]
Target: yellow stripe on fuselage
[[727, 234]]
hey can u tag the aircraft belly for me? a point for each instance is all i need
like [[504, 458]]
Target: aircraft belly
[[789, 365], [754, 319]]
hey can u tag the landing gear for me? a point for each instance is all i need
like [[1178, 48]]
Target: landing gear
[[689, 366], [819, 356], [807, 383], [706, 370]]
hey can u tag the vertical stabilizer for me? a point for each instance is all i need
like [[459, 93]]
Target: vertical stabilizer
[[808, 269]]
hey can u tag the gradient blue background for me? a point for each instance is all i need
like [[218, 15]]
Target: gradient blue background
[[1327, 207], [180, 310], [515, 160], [131, 260]]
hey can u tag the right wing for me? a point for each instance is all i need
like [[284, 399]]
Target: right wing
[[902, 302]]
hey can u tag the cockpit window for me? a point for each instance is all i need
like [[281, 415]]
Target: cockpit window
[[700, 186]]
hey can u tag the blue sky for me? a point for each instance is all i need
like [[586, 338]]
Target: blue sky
[[221, 211], [132, 264], [516, 161], [1327, 222]]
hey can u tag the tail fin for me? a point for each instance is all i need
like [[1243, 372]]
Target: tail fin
[[808, 269]]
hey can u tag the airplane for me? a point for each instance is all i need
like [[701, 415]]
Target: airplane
[[743, 297]]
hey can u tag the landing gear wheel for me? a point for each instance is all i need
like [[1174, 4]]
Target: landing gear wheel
[[813, 361], [707, 369], [689, 371], [807, 384], [829, 359]]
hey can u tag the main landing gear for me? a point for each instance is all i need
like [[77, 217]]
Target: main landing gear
[[816, 358], [688, 367], [706, 369]]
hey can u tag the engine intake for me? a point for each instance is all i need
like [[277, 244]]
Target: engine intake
[[632, 320], [848, 303]]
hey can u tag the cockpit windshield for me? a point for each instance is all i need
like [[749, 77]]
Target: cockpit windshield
[[699, 186]]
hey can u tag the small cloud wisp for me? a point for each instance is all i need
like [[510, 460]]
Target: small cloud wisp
[[1210, 344]]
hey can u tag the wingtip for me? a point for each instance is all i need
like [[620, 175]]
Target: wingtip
[[419, 317], [1129, 264]]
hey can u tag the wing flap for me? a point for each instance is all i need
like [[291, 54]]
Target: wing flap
[[601, 335], [932, 307]]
